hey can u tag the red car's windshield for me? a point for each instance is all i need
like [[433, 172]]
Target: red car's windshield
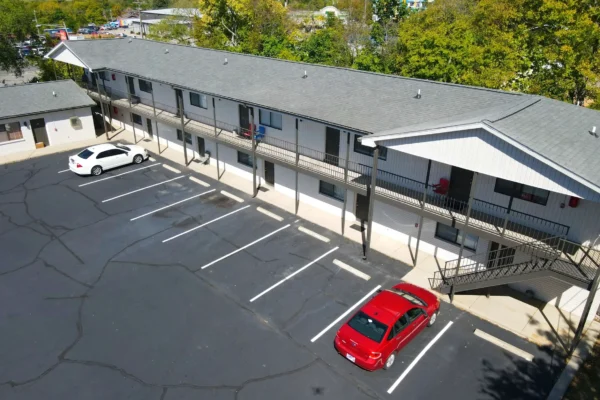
[[368, 326]]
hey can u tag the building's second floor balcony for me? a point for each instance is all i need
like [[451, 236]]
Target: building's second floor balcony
[[494, 221]]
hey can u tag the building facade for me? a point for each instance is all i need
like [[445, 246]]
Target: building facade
[[42, 115], [449, 180]]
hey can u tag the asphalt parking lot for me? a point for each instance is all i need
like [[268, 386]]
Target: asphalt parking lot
[[146, 284]]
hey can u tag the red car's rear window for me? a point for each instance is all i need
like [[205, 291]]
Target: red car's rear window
[[368, 326]]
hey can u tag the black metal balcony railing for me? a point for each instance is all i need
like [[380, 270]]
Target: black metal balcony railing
[[485, 216]]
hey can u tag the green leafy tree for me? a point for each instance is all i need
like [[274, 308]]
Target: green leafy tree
[[328, 45], [16, 22], [170, 30]]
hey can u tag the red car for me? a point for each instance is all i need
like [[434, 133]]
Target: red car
[[383, 326]]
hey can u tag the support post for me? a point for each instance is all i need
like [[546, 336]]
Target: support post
[[254, 187], [422, 210], [101, 105], [586, 311], [372, 189], [155, 120], [345, 183], [216, 136], [507, 214], [470, 204], [180, 101], [297, 199]]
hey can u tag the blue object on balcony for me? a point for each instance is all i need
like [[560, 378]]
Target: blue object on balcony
[[260, 133]]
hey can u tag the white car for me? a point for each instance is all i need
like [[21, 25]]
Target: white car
[[97, 159]]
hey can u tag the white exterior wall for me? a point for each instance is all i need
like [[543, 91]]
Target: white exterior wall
[[58, 128]]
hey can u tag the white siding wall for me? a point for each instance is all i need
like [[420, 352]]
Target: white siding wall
[[58, 128], [478, 150]]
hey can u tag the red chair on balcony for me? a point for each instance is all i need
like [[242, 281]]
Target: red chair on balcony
[[442, 187]]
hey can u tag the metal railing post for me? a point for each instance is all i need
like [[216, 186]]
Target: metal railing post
[[507, 214], [216, 137], [372, 189], [101, 106], [422, 210], [470, 204], [254, 187], [297, 199], [346, 182], [155, 120], [180, 103]]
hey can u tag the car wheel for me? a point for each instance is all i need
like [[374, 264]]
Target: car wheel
[[390, 361], [138, 159], [433, 318], [97, 170]]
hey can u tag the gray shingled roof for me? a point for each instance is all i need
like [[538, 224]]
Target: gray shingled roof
[[361, 101], [37, 98]]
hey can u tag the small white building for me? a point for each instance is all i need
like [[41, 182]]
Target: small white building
[[48, 114]]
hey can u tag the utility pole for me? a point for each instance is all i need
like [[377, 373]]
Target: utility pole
[[139, 3]]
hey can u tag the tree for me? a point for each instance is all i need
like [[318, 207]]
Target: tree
[[169, 30], [328, 45], [16, 22]]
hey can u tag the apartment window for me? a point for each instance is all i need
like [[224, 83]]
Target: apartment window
[[269, 118], [145, 86], [136, 119], [520, 191], [10, 131], [102, 75], [188, 137], [368, 151], [330, 190], [198, 100], [455, 236], [245, 159]]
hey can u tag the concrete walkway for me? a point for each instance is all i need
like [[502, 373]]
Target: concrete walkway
[[535, 321]]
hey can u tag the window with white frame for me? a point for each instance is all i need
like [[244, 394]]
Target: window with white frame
[[198, 100], [244, 158], [136, 119], [270, 118], [455, 236], [102, 75], [521, 191], [188, 137], [10, 131], [145, 86], [331, 190]]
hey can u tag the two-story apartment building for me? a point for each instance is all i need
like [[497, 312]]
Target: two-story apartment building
[[504, 186]]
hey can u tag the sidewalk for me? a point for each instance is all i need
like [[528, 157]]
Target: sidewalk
[[535, 321]]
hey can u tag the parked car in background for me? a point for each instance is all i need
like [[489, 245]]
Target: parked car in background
[[383, 326], [97, 159]]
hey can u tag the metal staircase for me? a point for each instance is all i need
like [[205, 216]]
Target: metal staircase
[[552, 257]]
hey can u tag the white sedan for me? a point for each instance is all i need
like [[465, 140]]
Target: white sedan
[[97, 159]]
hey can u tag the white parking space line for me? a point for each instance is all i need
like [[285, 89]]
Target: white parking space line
[[199, 182], [313, 234], [348, 311], [204, 224], [171, 168], [502, 344], [232, 196], [64, 170], [269, 213], [292, 275], [352, 270], [245, 247], [152, 159], [144, 188], [171, 205], [419, 356], [115, 176]]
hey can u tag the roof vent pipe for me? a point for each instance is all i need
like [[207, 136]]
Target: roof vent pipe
[[225, 63], [593, 131], [130, 40], [418, 96], [305, 75], [166, 51], [54, 93]]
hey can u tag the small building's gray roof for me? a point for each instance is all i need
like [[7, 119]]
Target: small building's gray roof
[[38, 98], [185, 12]]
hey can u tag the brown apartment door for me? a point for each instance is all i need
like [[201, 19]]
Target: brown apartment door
[[179, 101], [332, 145], [149, 125], [460, 184], [244, 117], [38, 127], [362, 207], [131, 85], [269, 172]]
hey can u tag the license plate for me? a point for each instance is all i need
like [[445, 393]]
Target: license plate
[[350, 357]]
